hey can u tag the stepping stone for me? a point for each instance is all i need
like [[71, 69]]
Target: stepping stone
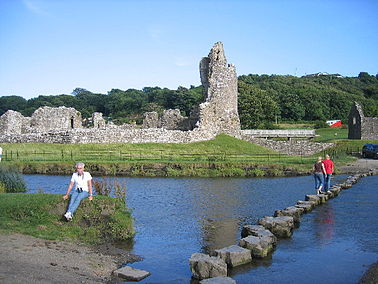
[[306, 205], [258, 231], [346, 185], [131, 274], [281, 227], [323, 198], [204, 266], [218, 280], [314, 198], [234, 255], [292, 211], [259, 247]]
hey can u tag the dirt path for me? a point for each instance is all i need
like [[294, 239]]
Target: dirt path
[[25, 259], [359, 166]]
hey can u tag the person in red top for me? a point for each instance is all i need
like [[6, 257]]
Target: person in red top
[[329, 167]]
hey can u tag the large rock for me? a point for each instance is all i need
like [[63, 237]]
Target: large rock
[[204, 266], [281, 227], [258, 231], [259, 247], [234, 255], [292, 211], [218, 280], [131, 274]]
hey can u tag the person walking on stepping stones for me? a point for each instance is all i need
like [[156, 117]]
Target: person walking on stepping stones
[[319, 172], [329, 168], [83, 189]]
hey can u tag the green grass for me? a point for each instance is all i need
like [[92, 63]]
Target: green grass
[[224, 156], [41, 215]]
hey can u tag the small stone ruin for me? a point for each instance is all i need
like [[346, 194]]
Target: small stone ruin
[[360, 126]]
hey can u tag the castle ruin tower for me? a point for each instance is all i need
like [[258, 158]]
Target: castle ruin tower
[[219, 112]]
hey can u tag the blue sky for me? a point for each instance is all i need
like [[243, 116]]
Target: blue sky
[[52, 47]]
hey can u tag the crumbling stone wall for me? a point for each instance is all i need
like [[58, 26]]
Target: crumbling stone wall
[[151, 120], [173, 120], [98, 120], [52, 118], [11, 122], [219, 112], [361, 127]]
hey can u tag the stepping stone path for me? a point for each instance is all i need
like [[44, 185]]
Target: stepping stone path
[[258, 240]]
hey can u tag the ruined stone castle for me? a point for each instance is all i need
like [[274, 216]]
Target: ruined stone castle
[[217, 114], [360, 126]]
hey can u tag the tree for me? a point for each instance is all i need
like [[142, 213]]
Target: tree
[[256, 107]]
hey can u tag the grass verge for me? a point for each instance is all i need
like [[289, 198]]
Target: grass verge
[[41, 215]]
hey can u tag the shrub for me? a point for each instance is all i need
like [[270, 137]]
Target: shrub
[[320, 124], [12, 180]]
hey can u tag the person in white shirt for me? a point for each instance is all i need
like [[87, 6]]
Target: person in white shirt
[[1, 153], [83, 188]]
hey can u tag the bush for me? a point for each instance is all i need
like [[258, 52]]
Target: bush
[[11, 180], [320, 124]]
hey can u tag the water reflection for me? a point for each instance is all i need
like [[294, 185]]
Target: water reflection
[[324, 224]]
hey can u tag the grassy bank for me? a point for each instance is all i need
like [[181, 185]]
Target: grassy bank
[[224, 156], [41, 215]]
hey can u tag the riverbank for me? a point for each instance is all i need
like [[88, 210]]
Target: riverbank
[[41, 215], [26, 259], [38, 246]]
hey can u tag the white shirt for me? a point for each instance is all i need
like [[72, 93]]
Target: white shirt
[[1, 151], [81, 181]]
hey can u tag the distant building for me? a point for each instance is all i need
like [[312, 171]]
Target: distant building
[[334, 123]]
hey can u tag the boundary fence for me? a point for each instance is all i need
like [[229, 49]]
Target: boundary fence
[[163, 156]]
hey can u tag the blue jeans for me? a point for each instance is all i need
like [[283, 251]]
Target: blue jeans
[[75, 200], [318, 180], [327, 182]]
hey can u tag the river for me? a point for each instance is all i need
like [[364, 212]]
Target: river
[[177, 217]]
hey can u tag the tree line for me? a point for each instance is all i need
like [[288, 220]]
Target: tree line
[[263, 99]]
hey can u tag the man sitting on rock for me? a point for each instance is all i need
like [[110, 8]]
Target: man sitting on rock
[[83, 188]]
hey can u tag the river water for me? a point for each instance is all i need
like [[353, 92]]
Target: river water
[[177, 217]]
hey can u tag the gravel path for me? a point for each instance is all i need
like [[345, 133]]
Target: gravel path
[[25, 259], [361, 165]]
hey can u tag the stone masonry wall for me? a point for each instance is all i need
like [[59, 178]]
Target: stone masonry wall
[[110, 135]]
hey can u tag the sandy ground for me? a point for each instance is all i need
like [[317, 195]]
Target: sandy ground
[[25, 259]]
